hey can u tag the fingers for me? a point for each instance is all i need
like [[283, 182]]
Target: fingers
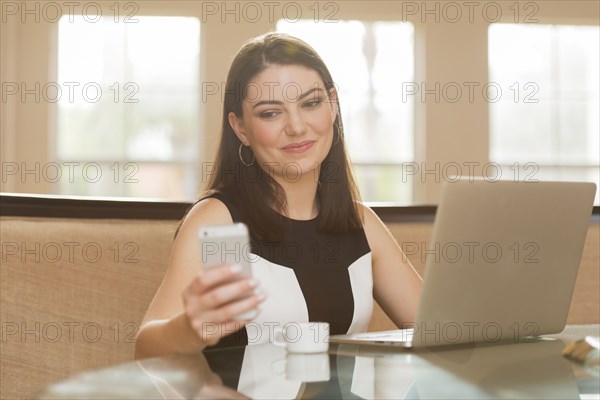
[[231, 311], [218, 296], [224, 304], [211, 326], [212, 277], [226, 293], [215, 300]]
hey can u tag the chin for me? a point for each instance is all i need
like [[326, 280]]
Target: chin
[[298, 168]]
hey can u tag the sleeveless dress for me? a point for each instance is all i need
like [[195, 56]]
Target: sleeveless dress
[[311, 276]]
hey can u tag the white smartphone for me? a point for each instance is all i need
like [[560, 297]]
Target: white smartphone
[[227, 244]]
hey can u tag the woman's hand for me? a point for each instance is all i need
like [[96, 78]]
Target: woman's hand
[[214, 299]]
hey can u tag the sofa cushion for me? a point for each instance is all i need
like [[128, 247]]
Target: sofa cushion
[[73, 293]]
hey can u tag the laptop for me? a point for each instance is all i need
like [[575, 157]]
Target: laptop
[[501, 265]]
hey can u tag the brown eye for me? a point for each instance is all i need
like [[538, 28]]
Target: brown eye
[[313, 103], [268, 114]]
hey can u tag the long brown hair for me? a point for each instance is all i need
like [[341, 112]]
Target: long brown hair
[[252, 190]]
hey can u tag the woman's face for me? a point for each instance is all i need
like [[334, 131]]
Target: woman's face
[[287, 120]]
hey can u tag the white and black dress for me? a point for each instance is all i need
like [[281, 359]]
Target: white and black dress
[[310, 276]]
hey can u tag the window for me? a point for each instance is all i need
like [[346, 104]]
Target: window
[[369, 62], [548, 115], [128, 118]]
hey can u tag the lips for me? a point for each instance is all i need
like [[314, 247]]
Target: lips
[[299, 147]]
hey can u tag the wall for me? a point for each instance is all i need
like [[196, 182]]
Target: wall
[[448, 49]]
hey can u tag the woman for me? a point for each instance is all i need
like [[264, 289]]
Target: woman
[[281, 168]]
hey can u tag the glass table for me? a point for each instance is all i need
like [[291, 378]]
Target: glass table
[[532, 368]]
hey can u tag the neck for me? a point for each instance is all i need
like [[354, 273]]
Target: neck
[[301, 197]]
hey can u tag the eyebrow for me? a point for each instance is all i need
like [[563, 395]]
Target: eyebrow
[[277, 102]]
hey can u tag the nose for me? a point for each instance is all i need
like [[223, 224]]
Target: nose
[[296, 125]]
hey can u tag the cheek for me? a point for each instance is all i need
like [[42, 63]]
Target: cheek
[[323, 124], [265, 134]]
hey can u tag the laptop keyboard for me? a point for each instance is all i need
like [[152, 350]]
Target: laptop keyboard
[[402, 334]]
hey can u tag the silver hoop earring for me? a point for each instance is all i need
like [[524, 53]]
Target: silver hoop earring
[[242, 158]]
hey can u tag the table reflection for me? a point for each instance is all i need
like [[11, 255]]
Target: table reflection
[[534, 369], [525, 370], [518, 370]]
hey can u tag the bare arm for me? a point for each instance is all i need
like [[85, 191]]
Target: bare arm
[[396, 284], [192, 307]]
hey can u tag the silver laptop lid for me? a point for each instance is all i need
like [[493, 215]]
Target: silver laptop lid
[[503, 260]]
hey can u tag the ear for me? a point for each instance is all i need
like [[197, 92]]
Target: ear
[[238, 127]]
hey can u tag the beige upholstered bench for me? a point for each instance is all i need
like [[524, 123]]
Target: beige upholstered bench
[[74, 285]]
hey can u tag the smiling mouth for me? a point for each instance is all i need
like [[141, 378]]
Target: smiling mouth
[[299, 147]]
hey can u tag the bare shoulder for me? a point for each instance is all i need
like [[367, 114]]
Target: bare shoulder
[[370, 219], [185, 255], [375, 229], [208, 211]]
